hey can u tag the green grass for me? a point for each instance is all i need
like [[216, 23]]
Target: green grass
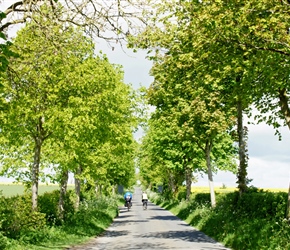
[[254, 222]]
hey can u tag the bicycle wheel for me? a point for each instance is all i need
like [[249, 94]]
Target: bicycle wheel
[[144, 205]]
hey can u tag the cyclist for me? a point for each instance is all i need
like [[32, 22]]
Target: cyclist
[[128, 195], [144, 198]]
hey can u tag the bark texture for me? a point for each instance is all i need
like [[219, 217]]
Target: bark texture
[[78, 187], [209, 173], [188, 177], [285, 110], [288, 205], [38, 139], [62, 193], [242, 172]]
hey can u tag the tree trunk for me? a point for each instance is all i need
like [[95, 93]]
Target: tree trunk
[[114, 188], [242, 172], [188, 177], [35, 172], [38, 139], [62, 193], [101, 190], [209, 173], [78, 187], [285, 110], [171, 183], [97, 190], [288, 205]]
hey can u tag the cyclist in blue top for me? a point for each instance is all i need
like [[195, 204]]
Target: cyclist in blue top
[[129, 195]]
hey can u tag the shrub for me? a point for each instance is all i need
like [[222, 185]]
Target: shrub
[[3, 242], [181, 194], [48, 204], [201, 198], [16, 216], [254, 221], [89, 219], [262, 204]]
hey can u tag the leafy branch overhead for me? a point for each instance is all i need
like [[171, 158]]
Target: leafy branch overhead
[[108, 19]]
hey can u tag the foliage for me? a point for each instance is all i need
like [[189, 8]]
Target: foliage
[[86, 221], [254, 221], [19, 229], [3, 241], [48, 205], [17, 218], [67, 108], [231, 53]]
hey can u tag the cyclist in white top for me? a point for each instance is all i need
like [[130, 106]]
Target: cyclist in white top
[[144, 196]]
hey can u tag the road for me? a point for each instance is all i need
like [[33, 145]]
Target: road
[[154, 228]]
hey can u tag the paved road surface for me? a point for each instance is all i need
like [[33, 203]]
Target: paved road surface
[[154, 228]]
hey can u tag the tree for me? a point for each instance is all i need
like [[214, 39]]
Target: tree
[[234, 47], [107, 19], [160, 157], [34, 90], [59, 91]]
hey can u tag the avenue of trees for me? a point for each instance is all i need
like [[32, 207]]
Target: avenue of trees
[[213, 62]]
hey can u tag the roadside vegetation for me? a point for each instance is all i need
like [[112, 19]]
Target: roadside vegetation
[[256, 221], [20, 229], [66, 110]]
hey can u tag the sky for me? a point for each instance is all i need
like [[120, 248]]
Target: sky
[[269, 158]]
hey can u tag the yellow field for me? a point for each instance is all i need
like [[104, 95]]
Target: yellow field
[[231, 189]]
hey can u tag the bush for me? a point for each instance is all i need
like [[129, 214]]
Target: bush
[[3, 241], [89, 219], [254, 221], [201, 199], [16, 216], [22, 229], [48, 204], [181, 194], [262, 204]]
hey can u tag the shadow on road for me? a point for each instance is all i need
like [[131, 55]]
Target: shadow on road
[[165, 217], [191, 236], [155, 208], [148, 245], [119, 223], [114, 233]]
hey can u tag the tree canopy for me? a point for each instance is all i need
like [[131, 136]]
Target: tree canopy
[[65, 106]]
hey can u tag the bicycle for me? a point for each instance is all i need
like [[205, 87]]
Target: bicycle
[[128, 203], [144, 204]]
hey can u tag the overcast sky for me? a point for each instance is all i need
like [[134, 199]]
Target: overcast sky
[[269, 158]]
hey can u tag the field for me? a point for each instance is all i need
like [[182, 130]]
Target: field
[[11, 189], [231, 189]]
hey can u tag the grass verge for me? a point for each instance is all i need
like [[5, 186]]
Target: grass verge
[[254, 222], [92, 218]]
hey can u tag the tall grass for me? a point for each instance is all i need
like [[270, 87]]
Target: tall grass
[[254, 222]]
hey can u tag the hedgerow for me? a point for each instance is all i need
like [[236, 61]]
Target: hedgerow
[[253, 221]]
